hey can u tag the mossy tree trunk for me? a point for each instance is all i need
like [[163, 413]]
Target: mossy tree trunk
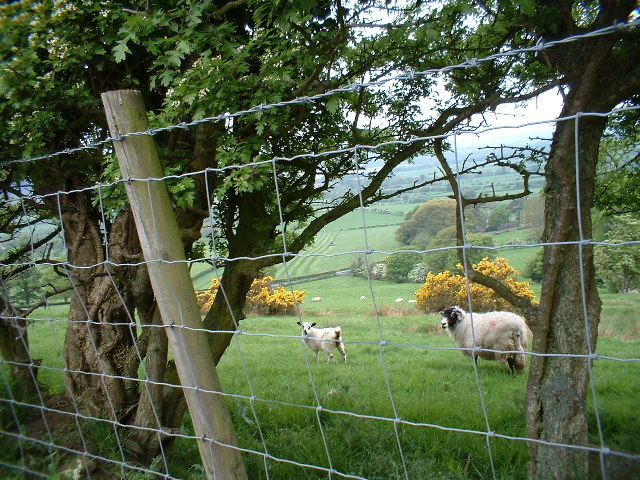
[[599, 73], [558, 385], [14, 349], [101, 333]]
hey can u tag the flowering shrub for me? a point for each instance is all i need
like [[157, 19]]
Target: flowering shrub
[[205, 299], [379, 271], [262, 298], [444, 289], [419, 273], [438, 292]]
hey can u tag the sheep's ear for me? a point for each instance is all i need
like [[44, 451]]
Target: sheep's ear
[[299, 323], [313, 324]]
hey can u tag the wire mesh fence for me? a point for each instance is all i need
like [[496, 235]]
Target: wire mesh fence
[[90, 351]]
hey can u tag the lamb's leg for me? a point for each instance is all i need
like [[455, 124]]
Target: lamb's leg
[[342, 351], [315, 356]]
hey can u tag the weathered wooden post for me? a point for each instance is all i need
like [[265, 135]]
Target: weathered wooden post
[[162, 248]]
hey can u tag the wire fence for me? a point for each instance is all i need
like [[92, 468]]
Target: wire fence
[[42, 424]]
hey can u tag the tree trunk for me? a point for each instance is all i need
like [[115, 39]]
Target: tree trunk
[[235, 283], [557, 387], [252, 236], [153, 346], [101, 333], [599, 73], [14, 349]]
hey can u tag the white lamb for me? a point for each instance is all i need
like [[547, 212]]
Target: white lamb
[[325, 339], [504, 331]]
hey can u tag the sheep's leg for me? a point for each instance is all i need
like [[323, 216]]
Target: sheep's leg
[[329, 356], [315, 356], [512, 365], [342, 351]]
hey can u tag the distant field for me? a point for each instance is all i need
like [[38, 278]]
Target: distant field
[[338, 244], [397, 208], [348, 236]]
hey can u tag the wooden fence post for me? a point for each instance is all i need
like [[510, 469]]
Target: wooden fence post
[[162, 248]]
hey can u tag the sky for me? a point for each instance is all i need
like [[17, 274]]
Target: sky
[[546, 108]]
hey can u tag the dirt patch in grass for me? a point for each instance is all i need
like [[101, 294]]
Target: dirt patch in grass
[[429, 328], [623, 329], [58, 423], [57, 420], [321, 313], [622, 301], [395, 311], [633, 333]]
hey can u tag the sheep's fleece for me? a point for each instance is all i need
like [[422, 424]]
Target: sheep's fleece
[[325, 339], [503, 331]]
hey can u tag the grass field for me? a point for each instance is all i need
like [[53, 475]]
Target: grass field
[[335, 247], [357, 443], [413, 403], [427, 384], [417, 377]]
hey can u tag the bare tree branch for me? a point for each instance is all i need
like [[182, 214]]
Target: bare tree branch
[[500, 288]]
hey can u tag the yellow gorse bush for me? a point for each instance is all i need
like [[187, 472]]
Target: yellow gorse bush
[[444, 289], [262, 298], [205, 299]]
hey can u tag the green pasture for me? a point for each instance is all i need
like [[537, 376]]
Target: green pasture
[[416, 378], [517, 257], [338, 243], [413, 376], [399, 208], [334, 248]]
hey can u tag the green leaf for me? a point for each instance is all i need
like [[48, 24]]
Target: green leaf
[[333, 104], [183, 47], [166, 77], [526, 6], [120, 51]]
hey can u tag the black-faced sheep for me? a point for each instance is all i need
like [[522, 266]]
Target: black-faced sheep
[[325, 339], [503, 331]]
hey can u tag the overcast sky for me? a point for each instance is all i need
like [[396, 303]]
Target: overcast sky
[[544, 109]]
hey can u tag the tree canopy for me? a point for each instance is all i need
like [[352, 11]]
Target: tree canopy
[[619, 266]]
